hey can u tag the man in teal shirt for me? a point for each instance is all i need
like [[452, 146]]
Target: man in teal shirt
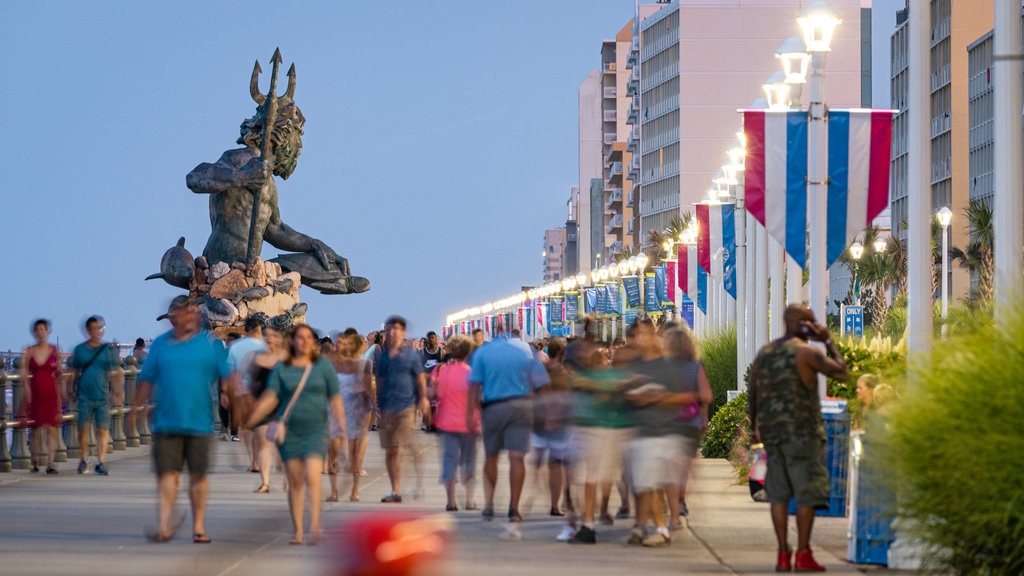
[[185, 365], [92, 361]]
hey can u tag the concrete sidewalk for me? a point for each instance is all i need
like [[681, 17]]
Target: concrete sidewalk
[[71, 524]]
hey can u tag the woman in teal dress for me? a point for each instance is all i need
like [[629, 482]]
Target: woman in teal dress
[[305, 445]]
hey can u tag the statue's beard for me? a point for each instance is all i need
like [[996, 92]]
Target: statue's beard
[[287, 148]]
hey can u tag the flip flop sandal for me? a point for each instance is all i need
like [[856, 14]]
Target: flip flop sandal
[[199, 538]]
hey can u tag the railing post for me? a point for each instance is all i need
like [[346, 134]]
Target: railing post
[[61, 454], [117, 379], [142, 421], [131, 427], [20, 457], [5, 456], [74, 450]]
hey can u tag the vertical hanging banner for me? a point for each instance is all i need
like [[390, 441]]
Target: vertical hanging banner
[[572, 306], [488, 322], [631, 285], [702, 290], [542, 318], [629, 315], [661, 287], [614, 299], [555, 314], [670, 277], [652, 303], [775, 181], [590, 305], [728, 218], [520, 318], [859, 152], [531, 329], [686, 312], [499, 324], [602, 300], [465, 327]]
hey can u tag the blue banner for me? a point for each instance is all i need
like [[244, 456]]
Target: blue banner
[[650, 294], [702, 290], [631, 284], [729, 246], [572, 307], [661, 287], [602, 301], [555, 313], [629, 316], [528, 319], [614, 299], [686, 311], [590, 301]]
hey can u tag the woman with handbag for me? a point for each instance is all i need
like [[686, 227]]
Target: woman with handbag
[[301, 389]]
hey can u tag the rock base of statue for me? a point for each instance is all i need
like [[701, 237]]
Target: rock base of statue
[[231, 293]]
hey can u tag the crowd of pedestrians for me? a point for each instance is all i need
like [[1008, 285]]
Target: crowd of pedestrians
[[588, 416]]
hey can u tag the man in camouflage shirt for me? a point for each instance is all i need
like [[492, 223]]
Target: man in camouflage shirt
[[785, 414]]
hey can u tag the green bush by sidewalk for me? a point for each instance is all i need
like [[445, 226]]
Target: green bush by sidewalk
[[953, 452], [725, 426], [718, 352]]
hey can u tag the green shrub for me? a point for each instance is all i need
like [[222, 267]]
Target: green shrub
[[718, 352], [723, 428], [953, 449]]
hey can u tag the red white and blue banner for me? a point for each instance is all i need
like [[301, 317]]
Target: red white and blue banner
[[716, 241], [859, 152], [487, 326], [775, 180], [687, 270]]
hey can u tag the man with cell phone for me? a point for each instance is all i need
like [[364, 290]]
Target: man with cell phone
[[785, 415]]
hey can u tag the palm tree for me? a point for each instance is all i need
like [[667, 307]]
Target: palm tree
[[977, 259], [876, 269], [655, 247]]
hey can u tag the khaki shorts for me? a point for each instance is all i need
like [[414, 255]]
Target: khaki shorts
[[796, 468], [599, 453], [172, 451], [658, 461], [395, 428]]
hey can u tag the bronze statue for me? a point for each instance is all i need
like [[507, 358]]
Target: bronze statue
[[243, 195]]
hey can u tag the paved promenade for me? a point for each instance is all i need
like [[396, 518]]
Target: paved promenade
[[85, 525]]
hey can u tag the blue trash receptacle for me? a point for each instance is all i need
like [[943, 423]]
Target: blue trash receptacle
[[837, 455], [871, 506]]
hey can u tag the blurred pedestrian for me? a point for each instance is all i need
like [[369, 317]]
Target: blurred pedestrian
[[43, 394], [184, 365], [274, 337], [503, 377], [92, 362], [552, 406], [241, 354], [458, 436], [401, 390], [139, 351], [785, 415], [300, 389], [354, 374]]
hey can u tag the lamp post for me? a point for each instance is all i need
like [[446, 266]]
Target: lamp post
[[856, 251], [944, 216], [818, 21]]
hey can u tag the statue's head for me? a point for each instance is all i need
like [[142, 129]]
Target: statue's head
[[286, 138]]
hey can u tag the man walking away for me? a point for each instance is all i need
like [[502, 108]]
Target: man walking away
[[785, 415]]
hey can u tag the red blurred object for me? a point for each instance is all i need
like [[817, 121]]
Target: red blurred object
[[389, 543]]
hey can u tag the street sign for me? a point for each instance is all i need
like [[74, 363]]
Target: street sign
[[853, 320]]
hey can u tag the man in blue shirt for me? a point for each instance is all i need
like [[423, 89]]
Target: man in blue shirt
[[93, 360], [504, 375], [401, 389], [185, 365]]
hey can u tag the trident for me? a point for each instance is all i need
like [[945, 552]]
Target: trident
[[269, 103]]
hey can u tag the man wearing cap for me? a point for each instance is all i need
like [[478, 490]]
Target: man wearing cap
[[185, 364]]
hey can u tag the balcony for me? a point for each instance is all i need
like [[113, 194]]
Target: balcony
[[634, 112], [610, 115], [615, 172], [614, 223], [940, 125], [609, 92], [609, 138], [634, 52], [632, 87], [612, 155], [614, 198], [629, 228], [608, 67], [615, 248], [629, 199]]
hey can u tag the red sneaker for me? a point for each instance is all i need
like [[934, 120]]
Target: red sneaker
[[805, 562], [784, 563]]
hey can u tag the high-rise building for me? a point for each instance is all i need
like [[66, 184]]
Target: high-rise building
[[699, 61], [590, 164], [571, 258], [954, 26], [554, 249]]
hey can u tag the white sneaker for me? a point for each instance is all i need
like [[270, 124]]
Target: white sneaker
[[567, 533], [512, 532]]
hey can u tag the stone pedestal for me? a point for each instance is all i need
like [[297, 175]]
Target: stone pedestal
[[231, 293]]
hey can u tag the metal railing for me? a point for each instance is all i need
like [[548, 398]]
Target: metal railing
[[124, 433]]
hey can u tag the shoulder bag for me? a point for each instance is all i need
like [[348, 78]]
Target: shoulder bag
[[81, 371], [276, 429]]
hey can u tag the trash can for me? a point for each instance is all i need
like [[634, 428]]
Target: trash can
[[871, 505], [837, 454]]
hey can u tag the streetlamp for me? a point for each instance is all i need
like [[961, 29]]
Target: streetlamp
[[856, 251], [880, 245], [776, 91], [818, 21], [944, 216]]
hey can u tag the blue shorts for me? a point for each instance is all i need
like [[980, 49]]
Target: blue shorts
[[507, 425], [95, 411]]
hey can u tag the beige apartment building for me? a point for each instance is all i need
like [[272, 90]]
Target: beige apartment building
[[697, 62], [955, 25]]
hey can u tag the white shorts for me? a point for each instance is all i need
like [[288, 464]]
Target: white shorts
[[658, 461], [560, 450], [599, 453]]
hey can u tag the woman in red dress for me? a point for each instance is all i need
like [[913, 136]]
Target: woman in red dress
[[40, 369]]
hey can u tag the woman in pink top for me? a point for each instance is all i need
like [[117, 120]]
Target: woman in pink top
[[451, 391]]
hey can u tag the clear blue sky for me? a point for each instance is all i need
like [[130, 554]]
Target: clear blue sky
[[441, 140]]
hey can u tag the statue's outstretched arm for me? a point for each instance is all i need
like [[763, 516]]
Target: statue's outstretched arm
[[235, 169], [284, 237]]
